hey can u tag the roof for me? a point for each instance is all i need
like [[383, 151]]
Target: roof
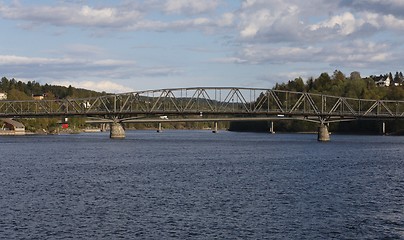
[[12, 122]]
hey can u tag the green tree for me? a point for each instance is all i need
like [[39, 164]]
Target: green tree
[[323, 83], [395, 93], [295, 85], [355, 88], [15, 94], [355, 75], [309, 84], [4, 85], [70, 91], [338, 77]]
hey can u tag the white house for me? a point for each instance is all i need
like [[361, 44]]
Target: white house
[[38, 97], [383, 81], [3, 96]]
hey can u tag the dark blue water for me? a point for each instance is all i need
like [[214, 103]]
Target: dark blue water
[[199, 185]]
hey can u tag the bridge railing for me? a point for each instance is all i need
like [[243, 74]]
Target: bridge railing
[[207, 101]]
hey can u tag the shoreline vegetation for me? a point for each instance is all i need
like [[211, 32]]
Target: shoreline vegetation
[[337, 84]]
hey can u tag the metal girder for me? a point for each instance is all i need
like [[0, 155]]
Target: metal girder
[[229, 101]]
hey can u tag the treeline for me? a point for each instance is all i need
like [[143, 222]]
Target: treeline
[[18, 90], [338, 84]]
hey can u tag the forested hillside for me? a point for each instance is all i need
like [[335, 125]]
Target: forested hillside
[[338, 84]]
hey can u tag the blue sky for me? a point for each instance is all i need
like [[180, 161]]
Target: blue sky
[[121, 46]]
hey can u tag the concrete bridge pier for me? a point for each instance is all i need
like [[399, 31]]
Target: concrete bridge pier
[[271, 127], [323, 134], [384, 128], [116, 131], [214, 127], [103, 127], [159, 128]]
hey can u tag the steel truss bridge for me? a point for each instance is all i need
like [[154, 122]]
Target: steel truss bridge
[[208, 104]]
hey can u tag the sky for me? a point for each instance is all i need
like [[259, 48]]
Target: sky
[[122, 46]]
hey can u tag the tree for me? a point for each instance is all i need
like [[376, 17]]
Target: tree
[[355, 75], [396, 77], [395, 93], [323, 83], [4, 85], [296, 85], [310, 84], [15, 94], [36, 88], [338, 76], [401, 79], [355, 88], [70, 91]]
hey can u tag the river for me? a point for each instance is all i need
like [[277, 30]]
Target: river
[[200, 185]]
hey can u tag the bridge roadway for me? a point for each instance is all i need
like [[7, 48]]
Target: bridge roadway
[[212, 104]]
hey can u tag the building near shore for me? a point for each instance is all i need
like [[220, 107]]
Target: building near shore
[[12, 127], [3, 96]]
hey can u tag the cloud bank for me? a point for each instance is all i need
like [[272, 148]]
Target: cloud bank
[[363, 34]]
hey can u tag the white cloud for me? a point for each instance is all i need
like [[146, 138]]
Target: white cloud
[[255, 20], [84, 16], [227, 19], [277, 20], [344, 24], [159, 71], [76, 71], [190, 6], [126, 17], [257, 54], [228, 60], [322, 32], [382, 7], [360, 53], [100, 86], [316, 21], [394, 23], [64, 68], [80, 50], [202, 24], [8, 60]]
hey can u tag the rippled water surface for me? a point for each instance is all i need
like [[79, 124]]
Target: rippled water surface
[[199, 185]]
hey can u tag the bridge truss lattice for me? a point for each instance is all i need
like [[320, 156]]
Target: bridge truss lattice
[[209, 103]]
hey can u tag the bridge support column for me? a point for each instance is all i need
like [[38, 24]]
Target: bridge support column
[[214, 127], [103, 127], [384, 128], [159, 128], [323, 134], [116, 131], [271, 127]]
